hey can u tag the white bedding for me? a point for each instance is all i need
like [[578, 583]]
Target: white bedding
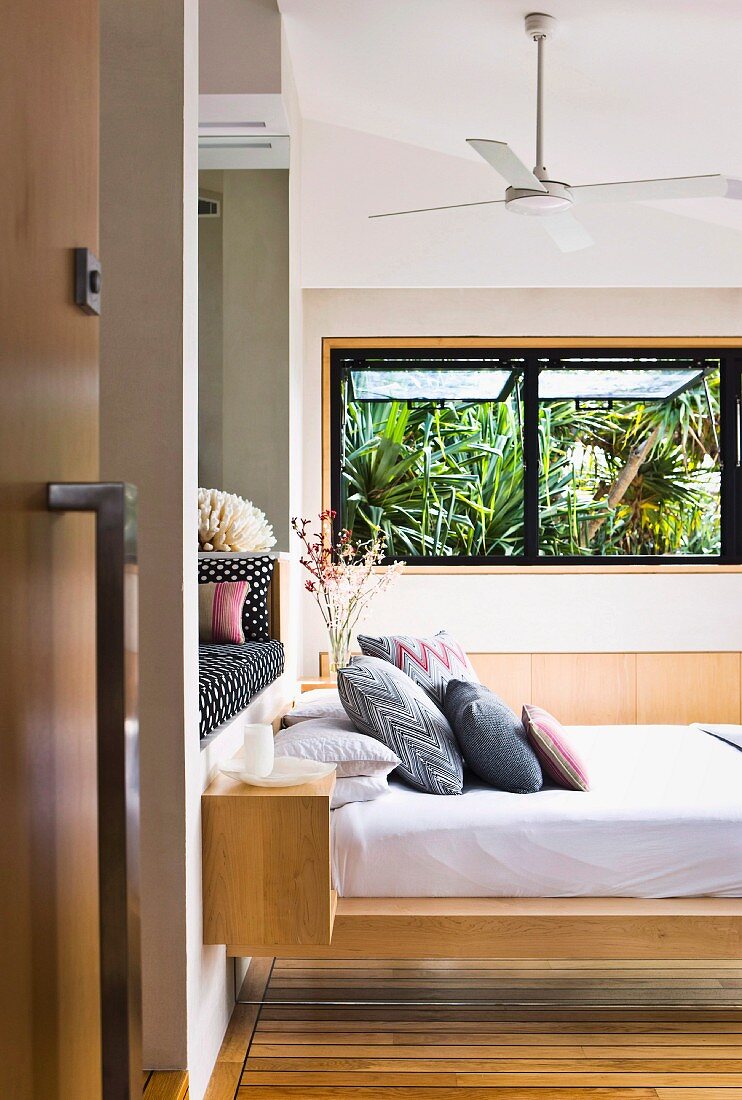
[[663, 818]]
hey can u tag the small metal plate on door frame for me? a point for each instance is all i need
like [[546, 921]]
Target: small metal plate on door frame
[[87, 281]]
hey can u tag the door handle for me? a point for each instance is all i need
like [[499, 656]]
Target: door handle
[[117, 740]]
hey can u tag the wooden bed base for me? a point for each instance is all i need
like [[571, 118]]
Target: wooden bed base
[[532, 928]]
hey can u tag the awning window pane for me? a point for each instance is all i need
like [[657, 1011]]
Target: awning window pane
[[415, 384], [651, 384]]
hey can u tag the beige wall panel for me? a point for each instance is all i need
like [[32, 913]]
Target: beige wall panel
[[210, 338], [239, 47], [580, 688], [688, 687], [255, 435]]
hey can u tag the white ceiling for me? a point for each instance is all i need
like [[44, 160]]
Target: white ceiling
[[635, 89]]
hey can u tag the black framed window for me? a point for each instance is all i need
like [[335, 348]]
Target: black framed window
[[535, 456]]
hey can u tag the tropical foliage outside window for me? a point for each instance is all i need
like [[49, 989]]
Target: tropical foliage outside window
[[635, 478], [628, 455], [436, 479]]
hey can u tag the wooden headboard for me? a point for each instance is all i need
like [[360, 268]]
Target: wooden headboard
[[616, 688]]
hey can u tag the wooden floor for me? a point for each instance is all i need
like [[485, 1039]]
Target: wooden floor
[[513, 1031], [165, 1084]]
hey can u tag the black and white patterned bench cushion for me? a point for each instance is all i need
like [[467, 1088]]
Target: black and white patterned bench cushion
[[257, 570], [229, 676]]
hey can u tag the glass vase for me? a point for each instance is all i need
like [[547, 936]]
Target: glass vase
[[339, 654]]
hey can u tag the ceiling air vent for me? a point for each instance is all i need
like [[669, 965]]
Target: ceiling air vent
[[208, 207], [231, 125]]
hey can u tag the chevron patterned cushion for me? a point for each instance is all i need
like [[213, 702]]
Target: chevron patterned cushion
[[430, 662], [384, 703]]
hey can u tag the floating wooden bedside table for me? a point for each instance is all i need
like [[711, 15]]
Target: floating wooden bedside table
[[267, 865], [313, 683]]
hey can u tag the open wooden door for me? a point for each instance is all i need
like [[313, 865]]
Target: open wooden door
[[50, 996]]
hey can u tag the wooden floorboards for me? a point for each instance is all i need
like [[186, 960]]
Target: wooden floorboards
[[165, 1085], [516, 1030]]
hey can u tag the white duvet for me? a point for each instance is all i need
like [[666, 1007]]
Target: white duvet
[[663, 818]]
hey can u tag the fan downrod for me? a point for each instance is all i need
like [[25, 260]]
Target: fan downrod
[[555, 197]]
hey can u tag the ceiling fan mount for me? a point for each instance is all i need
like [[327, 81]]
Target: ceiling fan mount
[[535, 194], [539, 25]]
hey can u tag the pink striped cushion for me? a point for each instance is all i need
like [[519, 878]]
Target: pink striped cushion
[[220, 611], [556, 756]]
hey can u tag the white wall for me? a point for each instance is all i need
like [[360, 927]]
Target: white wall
[[149, 401], [296, 349], [210, 994], [528, 612], [148, 438]]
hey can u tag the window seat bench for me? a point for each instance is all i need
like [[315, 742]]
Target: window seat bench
[[229, 676]]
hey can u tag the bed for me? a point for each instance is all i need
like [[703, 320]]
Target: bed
[[663, 819], [646, 866]]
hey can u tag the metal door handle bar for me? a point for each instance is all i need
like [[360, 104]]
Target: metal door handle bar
[[114, 505]]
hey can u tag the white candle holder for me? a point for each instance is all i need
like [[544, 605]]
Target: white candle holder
[[258, 752]]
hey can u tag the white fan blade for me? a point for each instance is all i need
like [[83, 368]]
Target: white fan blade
[[567, 233], [427, 209], [678, 187], [501, 157]]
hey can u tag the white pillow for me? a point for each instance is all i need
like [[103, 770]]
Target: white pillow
[[319, 703], [358, 788], [336, 741]]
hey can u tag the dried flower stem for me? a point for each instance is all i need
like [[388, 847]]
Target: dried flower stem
[[343, 578]]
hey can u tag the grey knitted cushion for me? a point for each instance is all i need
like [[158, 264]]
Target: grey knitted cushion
[[492, 738]]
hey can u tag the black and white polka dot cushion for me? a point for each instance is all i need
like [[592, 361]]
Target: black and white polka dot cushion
[[229, 676], [258, 571]]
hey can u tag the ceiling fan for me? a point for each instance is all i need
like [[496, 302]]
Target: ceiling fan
[[536, 194]]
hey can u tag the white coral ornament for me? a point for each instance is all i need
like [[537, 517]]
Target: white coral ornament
[[228, 522]]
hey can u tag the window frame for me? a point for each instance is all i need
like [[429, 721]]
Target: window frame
[[533, 352]]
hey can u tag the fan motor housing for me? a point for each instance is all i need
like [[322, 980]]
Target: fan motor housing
[[554, 200]]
